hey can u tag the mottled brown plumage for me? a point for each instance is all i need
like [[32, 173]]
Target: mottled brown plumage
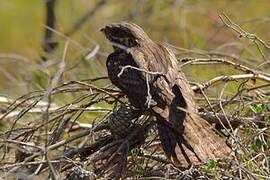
[[152, 82]]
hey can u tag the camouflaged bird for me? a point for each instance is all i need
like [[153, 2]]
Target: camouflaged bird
[[148, 74]]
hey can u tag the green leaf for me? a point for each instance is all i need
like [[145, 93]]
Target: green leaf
[[258, 108], [140, 169], [256, 146], [212, 165], [134, 152]]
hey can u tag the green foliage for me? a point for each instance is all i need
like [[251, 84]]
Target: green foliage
[[211, 165], [134, 152], [40, 79], [257, 144], [141, 169], [212, 169], [258, 108]]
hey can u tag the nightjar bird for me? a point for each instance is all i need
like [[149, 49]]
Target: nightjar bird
[[148, 75]]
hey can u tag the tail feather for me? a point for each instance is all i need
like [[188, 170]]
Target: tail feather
[[204, 140], [198, 144], [168, 140], [176, 147], [186, 138]]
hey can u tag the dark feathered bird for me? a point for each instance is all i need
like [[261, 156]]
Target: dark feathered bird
[[148, 74]]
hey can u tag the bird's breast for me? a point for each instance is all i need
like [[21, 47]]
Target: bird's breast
[[124, 73]]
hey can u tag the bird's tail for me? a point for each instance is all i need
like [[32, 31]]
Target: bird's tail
[[175, 145], [198, 143], [186, 138]]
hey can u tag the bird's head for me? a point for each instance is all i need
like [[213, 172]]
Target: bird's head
[[124, 35]]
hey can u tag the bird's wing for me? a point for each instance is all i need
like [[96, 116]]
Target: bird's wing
[[199, 142], [129, 80], [170, 92], [157, 59]]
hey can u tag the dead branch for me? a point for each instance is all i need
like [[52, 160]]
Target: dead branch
[[230, 78], [49, 43], [242, 33]]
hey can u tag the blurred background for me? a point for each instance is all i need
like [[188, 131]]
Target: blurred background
[[187, 24]]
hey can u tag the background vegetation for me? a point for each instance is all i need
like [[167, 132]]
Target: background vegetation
[[190, 24], [201, 33]]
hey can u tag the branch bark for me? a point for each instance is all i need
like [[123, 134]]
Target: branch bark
[[48, 43]]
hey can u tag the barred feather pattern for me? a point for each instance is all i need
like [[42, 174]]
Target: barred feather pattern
[[157, 86]]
